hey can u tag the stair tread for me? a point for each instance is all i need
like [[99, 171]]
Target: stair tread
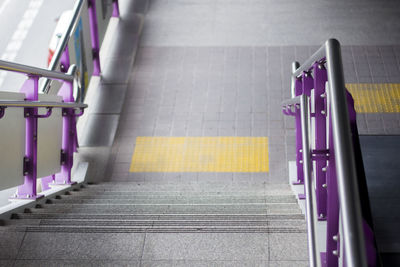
[[129, 208], [173, 229], [164, 216]]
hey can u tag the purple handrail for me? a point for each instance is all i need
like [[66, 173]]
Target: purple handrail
[[335, 174], [31, 106]]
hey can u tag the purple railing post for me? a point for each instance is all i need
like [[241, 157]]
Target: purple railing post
[[69, 139], [332, 217], [320, 78], [64, 61], [307, 83], [28, 189], [115, 9], [94, 33], [64, 66], [298, 87], [46, 181]]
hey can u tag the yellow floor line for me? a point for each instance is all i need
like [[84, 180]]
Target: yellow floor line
[[375, 97], [200, 154]]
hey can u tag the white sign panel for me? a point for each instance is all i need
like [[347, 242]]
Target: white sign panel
[[12, 143], [49, 139]]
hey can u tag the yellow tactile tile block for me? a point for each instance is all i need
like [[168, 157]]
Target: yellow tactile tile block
[[200, 154], [375, 97]]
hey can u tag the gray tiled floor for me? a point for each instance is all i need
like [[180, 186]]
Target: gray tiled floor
[[271, 23], [228, 91]]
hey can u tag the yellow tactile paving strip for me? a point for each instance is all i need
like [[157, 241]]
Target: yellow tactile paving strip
[[375, 97], [200, 154]]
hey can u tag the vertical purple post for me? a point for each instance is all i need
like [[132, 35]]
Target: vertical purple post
[[308, 83], [68, 138], [298, 87], [46, 181], [320, 78], [28, 189], [94, 33], [115, 9], [64, 61]]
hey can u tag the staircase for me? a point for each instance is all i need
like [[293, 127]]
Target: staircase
[[126, 208]]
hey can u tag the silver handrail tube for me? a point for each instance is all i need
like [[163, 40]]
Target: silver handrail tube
[[344, 155], [345, 162], [310, 214], [295, 66], [65, 38], [40, 104], [21, 68], [64, 42]]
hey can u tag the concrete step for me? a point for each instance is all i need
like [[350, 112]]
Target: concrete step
[[136, 193], [208, 186], [161, 229], [205, 223], [125, 208], [170, 200], [146, 223], [173, 217], [172, 208]]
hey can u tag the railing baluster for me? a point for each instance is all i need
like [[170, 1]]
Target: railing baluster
[[28, 189], [69, 133], [320, 78], [308, 185], [297, 89]]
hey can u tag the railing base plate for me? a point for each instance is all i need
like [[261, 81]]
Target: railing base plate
[[61, 184], [17, 198]]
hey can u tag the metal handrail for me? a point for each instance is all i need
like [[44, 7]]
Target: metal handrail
[[349, 196], [295, 66], [308, 186], [344, 155], [41, 104], [63, 43], [21, 68]]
